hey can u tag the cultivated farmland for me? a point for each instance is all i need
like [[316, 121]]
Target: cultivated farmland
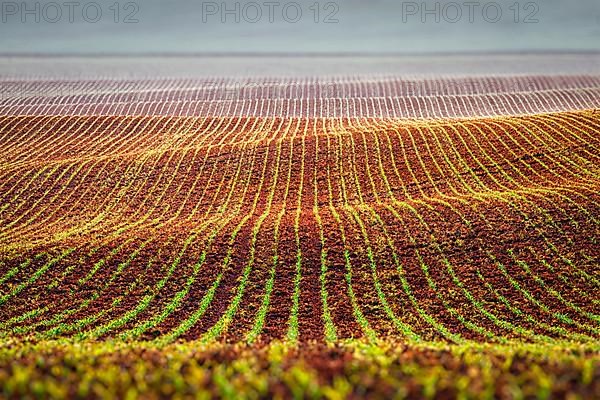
[[343, 237]]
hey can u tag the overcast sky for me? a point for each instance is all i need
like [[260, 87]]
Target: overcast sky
[[343, 26]]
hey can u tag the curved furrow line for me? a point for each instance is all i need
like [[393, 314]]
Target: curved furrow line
[[513, 168], [587, 161], [42, 289], [514, 193], [579, 207], [9, 171], [387, 191], [497, 165], [80, 324], [437, 285], [392, 194], [137, 134], [259, 320], [43, 216], [222, 325], [135, 312], [449, 163], [550, 155], [465, 311], [565, 319], [44, 124], [145, 302], [553, 292], [74, 171], [10, 126], [445, 261], [359, 316], [509, 148], [339, 305], [348, 251], [533, 321], [4, 298], [402, 327], [122, 229], [107, 198], [425, 269], [133, 193], [477, 301], [440, 328], [175, 302], [21, 201], [330, 329], [531, 153], [164, 312], [14, 181], [248, 299], [55, 305], [156, 182], [67, 320], [72, 130], [577, 293], [116, 199], [190, 323], [573, 134]]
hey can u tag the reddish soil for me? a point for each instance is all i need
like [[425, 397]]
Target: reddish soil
[[508, 207]]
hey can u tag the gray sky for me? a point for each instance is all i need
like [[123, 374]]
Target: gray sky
[[343, 26]]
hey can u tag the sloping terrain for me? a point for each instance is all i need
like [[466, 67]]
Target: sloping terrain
[[438, 229]]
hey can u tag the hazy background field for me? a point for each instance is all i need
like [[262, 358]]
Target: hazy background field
[[378, 26]]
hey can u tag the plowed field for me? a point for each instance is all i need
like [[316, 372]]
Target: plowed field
[[386, 242]]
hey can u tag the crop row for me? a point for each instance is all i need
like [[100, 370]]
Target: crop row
[[251, 229], [367, 97]]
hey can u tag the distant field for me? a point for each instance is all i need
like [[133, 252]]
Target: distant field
[[383, 236]]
